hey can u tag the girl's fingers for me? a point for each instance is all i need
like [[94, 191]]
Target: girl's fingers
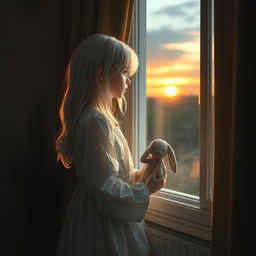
[[164, 168], [165, 172], [162, 179], [164, 175], [151, 176]]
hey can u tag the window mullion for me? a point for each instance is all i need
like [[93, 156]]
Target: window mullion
[[205, 103], [141, 83], [135, 125]]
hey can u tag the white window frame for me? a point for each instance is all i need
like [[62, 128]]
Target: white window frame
[[176, 210]]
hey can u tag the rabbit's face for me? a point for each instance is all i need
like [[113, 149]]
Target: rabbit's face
[[159, 149]]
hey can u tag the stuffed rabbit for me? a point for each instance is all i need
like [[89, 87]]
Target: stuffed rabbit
[[158, 149]]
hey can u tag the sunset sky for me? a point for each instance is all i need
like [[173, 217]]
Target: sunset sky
[[173, 48]]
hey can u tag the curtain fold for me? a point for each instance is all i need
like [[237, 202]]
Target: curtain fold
[[110, 17], [114, 18], [234, 64]]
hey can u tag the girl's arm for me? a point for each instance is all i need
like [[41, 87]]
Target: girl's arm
[[97, 168]]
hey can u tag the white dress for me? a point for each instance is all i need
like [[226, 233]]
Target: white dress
[[105, 215]]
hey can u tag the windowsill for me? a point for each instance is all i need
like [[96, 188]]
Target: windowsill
[[183, 214]]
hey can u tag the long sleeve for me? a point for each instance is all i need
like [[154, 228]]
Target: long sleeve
[[97, 167]]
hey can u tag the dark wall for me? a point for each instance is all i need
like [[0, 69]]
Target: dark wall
[[34, 189]]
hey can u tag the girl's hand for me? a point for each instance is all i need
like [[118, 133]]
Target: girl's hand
[[138, 175], [153, 183]]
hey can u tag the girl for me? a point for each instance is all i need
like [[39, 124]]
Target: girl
[[106, 211]]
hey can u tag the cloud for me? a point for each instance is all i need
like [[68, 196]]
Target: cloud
[[168, 35], [157, 38], [188, 11], [179, 10]]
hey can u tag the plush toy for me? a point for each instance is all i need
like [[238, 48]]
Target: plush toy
[[153, 155]]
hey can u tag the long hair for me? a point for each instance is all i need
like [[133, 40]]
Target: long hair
[[83, 87]]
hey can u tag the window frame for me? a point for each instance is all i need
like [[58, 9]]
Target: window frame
[[173, 209]]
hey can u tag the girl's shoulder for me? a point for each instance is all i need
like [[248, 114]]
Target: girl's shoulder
[[91, 113], [95, 121], [91, 117]]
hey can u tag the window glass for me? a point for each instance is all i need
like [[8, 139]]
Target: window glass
[[173, 85]]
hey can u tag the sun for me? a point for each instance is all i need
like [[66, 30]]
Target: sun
[[171, 91]]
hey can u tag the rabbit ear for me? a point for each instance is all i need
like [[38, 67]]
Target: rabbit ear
[[144, 156], [172, 159]]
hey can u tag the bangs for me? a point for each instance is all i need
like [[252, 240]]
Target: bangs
[[128, 61], [131, 64]]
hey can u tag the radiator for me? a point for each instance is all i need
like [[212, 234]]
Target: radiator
[[164, 244]]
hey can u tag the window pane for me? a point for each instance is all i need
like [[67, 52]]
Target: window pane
[[173, 85]]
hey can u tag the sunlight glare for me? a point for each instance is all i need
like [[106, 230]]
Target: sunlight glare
[[171, 91]]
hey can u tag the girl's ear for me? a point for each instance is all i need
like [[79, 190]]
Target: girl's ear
[[172, 159], [144, 156]]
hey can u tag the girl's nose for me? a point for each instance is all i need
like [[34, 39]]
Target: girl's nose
[[128, 81]]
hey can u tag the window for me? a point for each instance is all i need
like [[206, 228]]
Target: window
[[173, 85], [173, 99]]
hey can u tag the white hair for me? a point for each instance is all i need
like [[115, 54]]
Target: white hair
[[83, 87]]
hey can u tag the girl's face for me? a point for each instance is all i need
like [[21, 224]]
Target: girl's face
[[119, 84]]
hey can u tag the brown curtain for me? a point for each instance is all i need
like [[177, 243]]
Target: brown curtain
[[110, 17], [37, 39], [234, 118]]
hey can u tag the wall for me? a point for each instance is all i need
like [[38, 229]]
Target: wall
[[34, 188]]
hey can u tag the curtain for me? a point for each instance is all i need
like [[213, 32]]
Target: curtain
[[110, 17], [37, 40], [234, 118]]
